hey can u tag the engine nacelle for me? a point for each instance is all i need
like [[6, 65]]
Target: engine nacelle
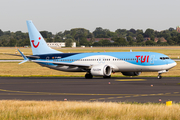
[[131, 73], [101, 70]]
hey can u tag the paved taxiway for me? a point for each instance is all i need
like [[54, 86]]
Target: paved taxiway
[[138, 89]]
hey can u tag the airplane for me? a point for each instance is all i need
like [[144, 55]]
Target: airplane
[[95, 64]]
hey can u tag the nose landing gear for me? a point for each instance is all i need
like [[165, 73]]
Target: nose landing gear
[[159, 76], [160, 72]]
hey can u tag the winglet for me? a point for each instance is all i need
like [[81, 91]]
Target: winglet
[[25, 58]]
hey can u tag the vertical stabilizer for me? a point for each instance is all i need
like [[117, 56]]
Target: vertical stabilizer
[[38, 44]]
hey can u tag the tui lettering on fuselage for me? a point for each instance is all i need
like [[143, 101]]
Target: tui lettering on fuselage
[[143, 59]]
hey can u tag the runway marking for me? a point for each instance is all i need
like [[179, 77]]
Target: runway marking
[[119, 97], [127, 96], [141, 95], [11, 92], [144, 95], [45, 82], [173, 95], [110, 97], [47, 93], [135, 95], [176, 92], [131, 80]]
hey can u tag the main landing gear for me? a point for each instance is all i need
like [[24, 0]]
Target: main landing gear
[[88, 76], [107, 76]]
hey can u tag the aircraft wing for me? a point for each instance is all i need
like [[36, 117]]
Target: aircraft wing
[[63, 63]]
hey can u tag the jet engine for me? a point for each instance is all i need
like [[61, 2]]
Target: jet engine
[[131, 73], [101, 70]]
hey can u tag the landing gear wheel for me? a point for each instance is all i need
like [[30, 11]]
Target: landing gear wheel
[[107, 76], [88, 76], [159, 77]]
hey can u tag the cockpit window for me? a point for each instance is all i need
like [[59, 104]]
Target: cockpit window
[[163, 58]]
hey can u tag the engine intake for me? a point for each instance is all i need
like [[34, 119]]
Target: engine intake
[[101, 70], [131, 73]]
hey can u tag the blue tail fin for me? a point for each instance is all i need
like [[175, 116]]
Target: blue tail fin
[[38, 44]]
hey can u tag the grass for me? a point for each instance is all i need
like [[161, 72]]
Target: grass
[[65, 110], [171, 51], [30, 69]]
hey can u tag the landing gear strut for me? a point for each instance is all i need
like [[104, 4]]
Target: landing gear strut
[[159, 76], [160, 72], [88, 76]]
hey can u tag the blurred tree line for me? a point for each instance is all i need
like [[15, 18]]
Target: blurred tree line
[[121, 37]]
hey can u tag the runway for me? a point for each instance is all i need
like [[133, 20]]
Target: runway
[[122, 89]]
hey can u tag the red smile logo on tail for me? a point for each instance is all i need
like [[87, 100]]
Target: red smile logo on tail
[[35, 46]]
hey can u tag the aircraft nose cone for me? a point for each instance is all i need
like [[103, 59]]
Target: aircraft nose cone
[[175, 64]]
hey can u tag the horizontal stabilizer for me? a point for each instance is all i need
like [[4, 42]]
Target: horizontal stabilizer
[[25, 58], [23, 61]]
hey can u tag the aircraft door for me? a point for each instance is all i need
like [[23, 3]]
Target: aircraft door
[[166, 61], [101, 60], [152, 59]]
